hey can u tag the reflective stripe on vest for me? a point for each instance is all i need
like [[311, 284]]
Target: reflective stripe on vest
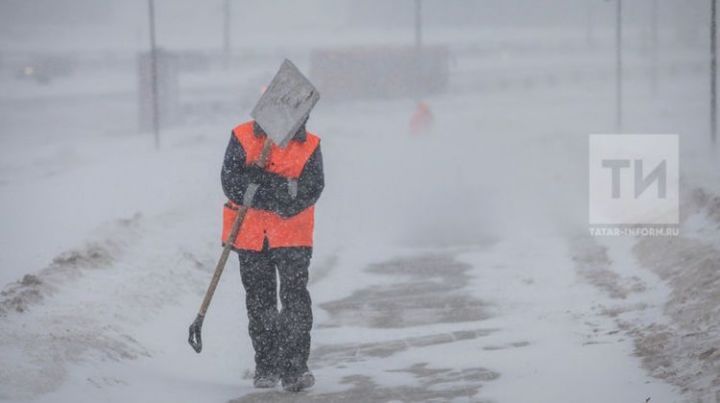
[[260, 224]]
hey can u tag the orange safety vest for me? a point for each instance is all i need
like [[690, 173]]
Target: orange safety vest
[[260, 224]]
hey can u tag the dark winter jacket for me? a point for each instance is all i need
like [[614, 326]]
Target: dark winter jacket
[[275, 192]]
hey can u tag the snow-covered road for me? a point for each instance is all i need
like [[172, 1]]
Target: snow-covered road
[[445, 268]]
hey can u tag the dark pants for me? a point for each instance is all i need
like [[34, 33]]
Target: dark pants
[[281, 339]]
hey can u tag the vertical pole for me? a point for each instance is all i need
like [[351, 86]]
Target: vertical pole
[[713, 71], [418, 50], [154, 75], [654, 47], [226, 33], [418, 24], [590, 28], [618, 69]]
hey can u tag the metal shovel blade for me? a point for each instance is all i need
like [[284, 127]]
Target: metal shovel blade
[[286, 103], [195, 337]]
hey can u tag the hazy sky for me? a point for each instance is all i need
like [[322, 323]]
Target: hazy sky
[[91, 24]]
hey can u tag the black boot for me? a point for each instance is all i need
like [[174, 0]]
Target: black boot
[[296, 384], [265, 380]]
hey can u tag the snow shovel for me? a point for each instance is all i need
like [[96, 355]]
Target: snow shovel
[[195, 338], [281, 111]]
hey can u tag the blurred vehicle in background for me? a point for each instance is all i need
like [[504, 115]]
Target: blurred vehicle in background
[[44, 69]]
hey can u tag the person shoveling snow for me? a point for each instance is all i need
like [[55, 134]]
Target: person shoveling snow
[[272, 175]]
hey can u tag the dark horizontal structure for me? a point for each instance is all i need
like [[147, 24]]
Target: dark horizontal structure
[[380, 72]]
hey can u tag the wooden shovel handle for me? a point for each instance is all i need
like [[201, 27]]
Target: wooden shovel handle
[[237, 223]]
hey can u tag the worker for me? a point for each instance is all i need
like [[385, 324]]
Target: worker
[[275, 243], [422, 120]]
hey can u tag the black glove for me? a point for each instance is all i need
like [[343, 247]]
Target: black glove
[[266, 179]]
